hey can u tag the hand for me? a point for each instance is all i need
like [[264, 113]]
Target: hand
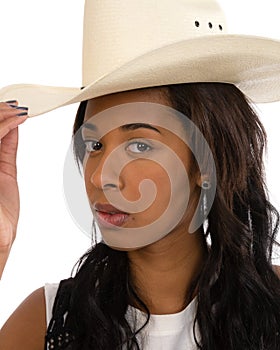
[[10, 117]]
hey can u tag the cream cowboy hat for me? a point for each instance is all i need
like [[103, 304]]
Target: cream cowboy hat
[[130, 44]]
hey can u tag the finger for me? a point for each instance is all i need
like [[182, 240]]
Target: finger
[[7, 111], [8, 153], [12, 112], [8, 104], [6, 241], [7, 232], [3, 259], [10, 123]]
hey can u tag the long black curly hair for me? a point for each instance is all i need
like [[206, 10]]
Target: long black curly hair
[[238, 300]]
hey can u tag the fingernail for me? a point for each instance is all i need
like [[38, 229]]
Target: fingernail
[[11, 101], [22, 114], [21, 108]]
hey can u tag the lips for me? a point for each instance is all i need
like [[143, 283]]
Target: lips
[[107, 208], [109, 216]]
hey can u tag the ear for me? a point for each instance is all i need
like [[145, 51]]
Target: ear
[[202, 180]]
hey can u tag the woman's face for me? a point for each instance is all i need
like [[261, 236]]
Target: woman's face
[[140, 176]]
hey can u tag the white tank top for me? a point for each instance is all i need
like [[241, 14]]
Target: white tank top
[[163, 332]]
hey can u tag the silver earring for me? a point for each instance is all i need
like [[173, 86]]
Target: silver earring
[[204, 206], [205, 212], [206, 185]]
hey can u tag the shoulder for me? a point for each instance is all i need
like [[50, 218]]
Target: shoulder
[[276, 269], [26, 327]]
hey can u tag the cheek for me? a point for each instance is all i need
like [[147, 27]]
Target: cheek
[[88, 171], [136, 174]]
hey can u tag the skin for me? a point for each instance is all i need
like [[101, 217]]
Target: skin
[[177, 258], [162, 271], [9, 194]]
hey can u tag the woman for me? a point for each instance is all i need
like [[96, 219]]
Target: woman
[[217, 276]]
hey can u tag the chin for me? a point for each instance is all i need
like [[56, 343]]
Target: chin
[[123, 249]]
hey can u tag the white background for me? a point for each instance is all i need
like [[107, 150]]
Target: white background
[[41, 42]]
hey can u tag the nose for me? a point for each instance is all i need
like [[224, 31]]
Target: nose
[[105, 174]]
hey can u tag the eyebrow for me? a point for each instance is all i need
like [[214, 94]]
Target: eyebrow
[[89, 126], [125, 127]]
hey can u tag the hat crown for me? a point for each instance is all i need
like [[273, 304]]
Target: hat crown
[[117, 31]]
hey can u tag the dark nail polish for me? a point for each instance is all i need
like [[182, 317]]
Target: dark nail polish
[[21, 108], [11, 102], [22, 114]]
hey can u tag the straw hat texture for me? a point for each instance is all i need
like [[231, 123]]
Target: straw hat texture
[[131, 44]]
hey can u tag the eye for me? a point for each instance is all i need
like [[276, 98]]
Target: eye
[[138, 147], [93, 145]]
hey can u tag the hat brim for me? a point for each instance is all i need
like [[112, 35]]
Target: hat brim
[[251, 63]]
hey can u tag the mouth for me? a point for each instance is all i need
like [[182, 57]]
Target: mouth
[[109, 216]]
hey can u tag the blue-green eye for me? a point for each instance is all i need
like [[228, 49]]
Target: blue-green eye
[[93, 145], [138, 147]]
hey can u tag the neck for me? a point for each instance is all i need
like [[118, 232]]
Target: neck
[[163, 273]]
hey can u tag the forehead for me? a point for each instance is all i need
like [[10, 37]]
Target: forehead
[[99, 104], [149, 106]]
